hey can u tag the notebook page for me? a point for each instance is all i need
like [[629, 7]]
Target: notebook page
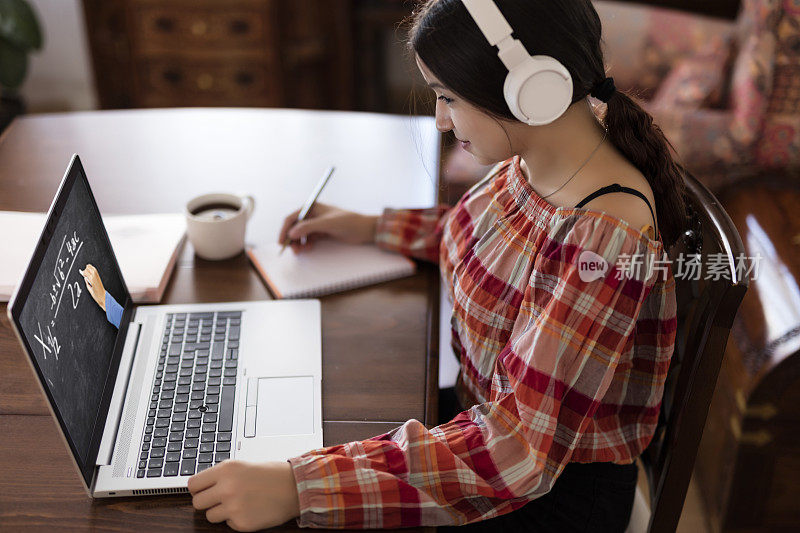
[[328, 267]]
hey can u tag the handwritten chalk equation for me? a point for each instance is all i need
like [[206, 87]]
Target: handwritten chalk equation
[[48, 342], [67, 254]]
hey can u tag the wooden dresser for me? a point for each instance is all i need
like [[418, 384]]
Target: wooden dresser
[[171, 53], [748, 464]]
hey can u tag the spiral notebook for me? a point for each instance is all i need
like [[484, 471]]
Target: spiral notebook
[[327, 268]]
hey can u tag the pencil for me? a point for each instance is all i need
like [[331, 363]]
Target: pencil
[[312, 199]]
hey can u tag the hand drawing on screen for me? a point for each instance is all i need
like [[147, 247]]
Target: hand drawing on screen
[[103, 298]]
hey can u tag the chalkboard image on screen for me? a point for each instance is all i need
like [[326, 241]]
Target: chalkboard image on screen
[[65, 330]]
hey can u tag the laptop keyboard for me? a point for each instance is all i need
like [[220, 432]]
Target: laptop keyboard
[[190, 420]]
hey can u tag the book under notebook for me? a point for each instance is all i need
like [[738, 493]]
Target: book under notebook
[[326, 268], [147, 247]]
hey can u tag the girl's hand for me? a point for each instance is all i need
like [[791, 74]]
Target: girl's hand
[[325, 221], [94, 285], [247, 496]]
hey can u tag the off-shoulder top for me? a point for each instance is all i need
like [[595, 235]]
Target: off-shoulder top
[[564, 325]]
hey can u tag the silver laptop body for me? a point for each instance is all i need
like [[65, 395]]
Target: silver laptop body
[[273, 375]]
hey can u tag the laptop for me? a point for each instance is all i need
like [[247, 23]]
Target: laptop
[[148, 397]]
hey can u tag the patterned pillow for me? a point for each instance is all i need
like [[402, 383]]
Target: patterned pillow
[[672, 36], [692, 84], [698, 81]]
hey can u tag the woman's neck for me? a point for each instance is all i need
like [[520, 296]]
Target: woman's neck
[[551, 154]]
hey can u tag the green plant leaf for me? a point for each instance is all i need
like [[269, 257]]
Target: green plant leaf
[[19, 25], [13, 65]]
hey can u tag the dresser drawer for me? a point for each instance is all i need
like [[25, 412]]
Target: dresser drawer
[[219, 27], [208, 82], [283, 53]]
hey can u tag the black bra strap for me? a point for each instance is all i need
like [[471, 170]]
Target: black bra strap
[[616, 187]]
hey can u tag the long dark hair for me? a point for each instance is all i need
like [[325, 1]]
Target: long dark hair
[[448, 41]]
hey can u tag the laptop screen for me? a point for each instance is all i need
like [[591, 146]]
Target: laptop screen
[[71, 340]]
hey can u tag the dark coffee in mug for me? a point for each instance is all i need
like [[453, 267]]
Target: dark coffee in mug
[[216, 223], [215, 211]]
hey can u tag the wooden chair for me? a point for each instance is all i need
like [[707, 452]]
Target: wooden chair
[[705, 312]]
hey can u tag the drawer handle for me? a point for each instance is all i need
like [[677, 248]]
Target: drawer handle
[[172, 76], [240, 26], [165, 24], [764, 411], [199, 27], [205, 81], [244, 78], [749, 438]]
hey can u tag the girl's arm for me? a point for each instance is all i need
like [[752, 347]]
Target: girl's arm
[[418, 232], [413, 232]]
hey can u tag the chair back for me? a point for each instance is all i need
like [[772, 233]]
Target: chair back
[[705, 312]]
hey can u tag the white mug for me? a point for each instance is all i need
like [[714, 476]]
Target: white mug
[[217, 232]]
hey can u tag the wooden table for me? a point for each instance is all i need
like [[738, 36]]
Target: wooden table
[[380, 344]]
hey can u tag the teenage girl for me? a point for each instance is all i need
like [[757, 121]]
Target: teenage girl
[[564, 305]]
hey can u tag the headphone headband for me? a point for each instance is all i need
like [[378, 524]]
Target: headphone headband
[[497, 31], [538, 89], [489, 19]]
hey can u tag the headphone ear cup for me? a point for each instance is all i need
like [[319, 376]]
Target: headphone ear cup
[[538, 91]]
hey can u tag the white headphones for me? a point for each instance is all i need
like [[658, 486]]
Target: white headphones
[[538, 89]]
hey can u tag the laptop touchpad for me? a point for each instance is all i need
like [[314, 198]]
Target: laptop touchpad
[[285, 406]]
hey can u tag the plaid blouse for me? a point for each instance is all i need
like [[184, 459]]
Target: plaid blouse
[[564, 359]]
